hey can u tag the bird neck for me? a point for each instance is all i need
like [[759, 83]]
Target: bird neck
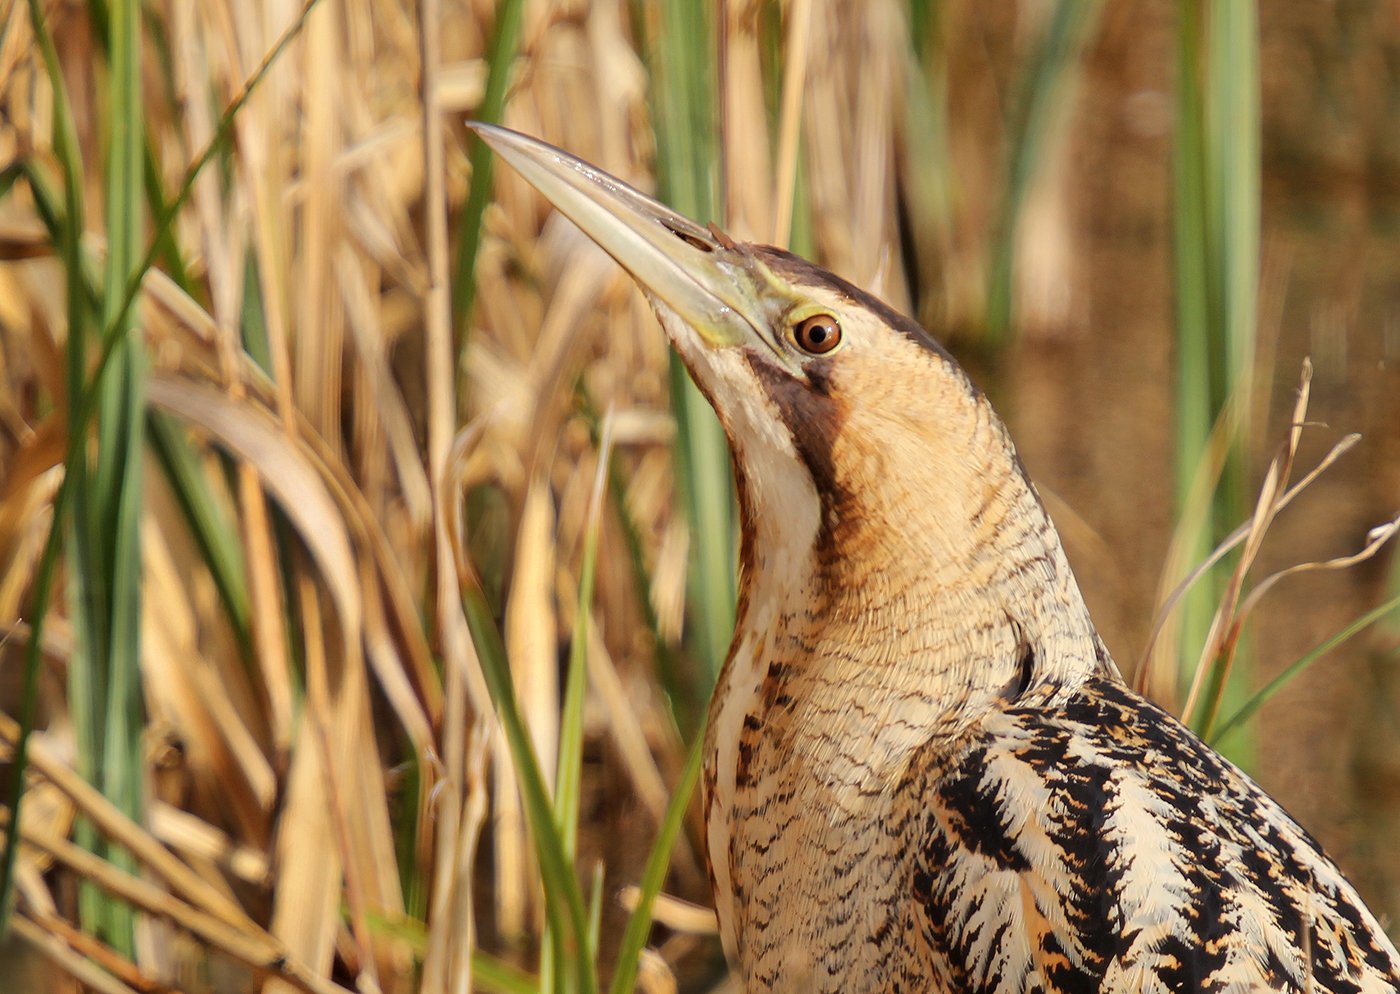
[[921, 600]]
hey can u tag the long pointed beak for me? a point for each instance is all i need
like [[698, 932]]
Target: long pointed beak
[[686, 267]]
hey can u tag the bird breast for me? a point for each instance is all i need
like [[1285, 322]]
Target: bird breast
[[811, 734], [804, 854]]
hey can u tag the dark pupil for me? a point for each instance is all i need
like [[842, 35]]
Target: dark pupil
[[816, 333]]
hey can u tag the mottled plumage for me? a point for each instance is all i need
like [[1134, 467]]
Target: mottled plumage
[[923, 773], [1150, 863]]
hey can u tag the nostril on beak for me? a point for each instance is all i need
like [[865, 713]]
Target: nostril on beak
[[687, 237]]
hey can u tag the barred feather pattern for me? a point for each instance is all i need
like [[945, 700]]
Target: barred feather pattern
[[1075, 840], [1092, 843]]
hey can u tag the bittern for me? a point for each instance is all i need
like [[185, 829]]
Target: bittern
[[923, 771]]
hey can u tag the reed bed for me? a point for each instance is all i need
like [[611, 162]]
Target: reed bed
[[365, 558]]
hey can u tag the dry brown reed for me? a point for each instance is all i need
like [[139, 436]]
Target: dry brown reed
[[330, 803]]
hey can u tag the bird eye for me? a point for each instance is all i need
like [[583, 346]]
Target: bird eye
[[818, 334]]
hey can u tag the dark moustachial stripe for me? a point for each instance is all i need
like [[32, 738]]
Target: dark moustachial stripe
[[813, 418]]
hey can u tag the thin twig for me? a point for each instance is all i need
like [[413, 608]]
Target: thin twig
[[1266, 509], [116, 825], [253, 948]]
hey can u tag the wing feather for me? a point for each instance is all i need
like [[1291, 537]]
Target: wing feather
[[1089, 842]]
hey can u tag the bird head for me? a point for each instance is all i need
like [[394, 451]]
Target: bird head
[[872, 474]]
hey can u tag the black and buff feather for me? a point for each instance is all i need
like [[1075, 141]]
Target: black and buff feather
[[1140, 860]]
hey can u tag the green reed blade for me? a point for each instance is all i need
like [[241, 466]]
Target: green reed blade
[[654, 875], [684, 101], [1254, 703], [564, 905], [215, 536], [502, 57], [1038, 106]]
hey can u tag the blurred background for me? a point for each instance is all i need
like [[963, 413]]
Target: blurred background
[[322, 443]]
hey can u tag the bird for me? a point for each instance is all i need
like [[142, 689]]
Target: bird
[[923, 771]]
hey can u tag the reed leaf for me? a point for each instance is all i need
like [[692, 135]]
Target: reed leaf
[[686, 165], [564, 907], [1216, 189], [502, 56], [111, 508], [1040, 101], [213, 534], [568, 783], [67, 151], [634, 939], [1261, 697]]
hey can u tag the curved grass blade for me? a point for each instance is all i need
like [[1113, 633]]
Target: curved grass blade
[[564, 905], [503, 46], [1246, 710], [570, 775], [570, 765], [165, 238], [67, 151], [666, 664], [595, 908], [55, 222], [639, 925], [212, 533], [8, 176]]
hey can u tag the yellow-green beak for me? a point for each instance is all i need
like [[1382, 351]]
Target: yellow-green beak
[[704, 279]]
